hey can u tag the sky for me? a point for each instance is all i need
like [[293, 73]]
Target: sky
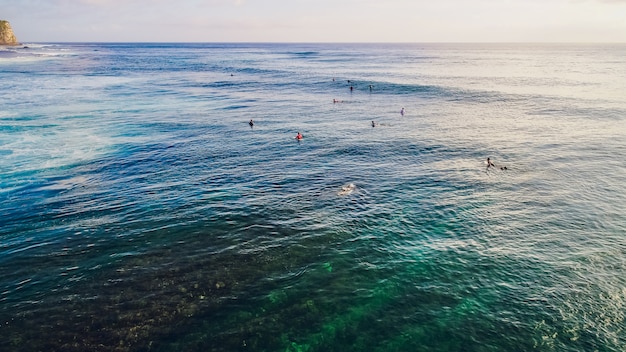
[[316, 20]]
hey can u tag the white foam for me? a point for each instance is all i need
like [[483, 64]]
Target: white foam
[[33, 53], [67, 184], [51, 147]]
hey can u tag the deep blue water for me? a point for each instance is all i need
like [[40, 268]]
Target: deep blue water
[[140, 212]]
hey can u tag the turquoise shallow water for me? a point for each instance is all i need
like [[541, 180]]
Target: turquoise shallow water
[[141, 212]]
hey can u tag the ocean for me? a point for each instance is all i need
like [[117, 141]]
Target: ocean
[[140, 211]]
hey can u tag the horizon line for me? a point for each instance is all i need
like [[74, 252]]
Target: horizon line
[[315, 42]]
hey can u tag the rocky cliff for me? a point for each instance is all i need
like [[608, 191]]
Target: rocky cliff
[[6, 34]]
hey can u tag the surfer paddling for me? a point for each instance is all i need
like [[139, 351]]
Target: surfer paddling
[[490, 164], [345, 190]]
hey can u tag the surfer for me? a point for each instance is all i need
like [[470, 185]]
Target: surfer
[[251, 123], [299, 136], [345, 190], [402, 111], [373, 124], [489, 163]]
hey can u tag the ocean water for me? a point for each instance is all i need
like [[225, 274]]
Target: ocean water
[[139, 211]]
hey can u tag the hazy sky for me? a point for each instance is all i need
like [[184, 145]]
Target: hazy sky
[[317, 20]]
